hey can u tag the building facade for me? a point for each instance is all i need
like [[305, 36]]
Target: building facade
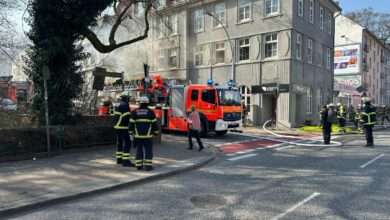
[[361, 64]]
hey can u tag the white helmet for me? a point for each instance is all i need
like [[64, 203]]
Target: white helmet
[[330, 105], [366, 99], [339, 104], [144, 99]]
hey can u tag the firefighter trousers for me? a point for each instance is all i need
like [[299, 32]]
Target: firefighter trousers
[[369, 136], [123, 146], [141, 158], [326, 130]]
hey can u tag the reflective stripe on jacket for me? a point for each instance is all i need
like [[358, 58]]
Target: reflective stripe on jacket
[[143, 123], [341, 113], [368, 115], [122, 116]]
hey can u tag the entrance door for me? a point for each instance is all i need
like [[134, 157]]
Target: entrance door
[[269, 107], [299, 107]]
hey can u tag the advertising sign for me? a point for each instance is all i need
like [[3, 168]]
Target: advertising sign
[[350, 80], [346, 59]]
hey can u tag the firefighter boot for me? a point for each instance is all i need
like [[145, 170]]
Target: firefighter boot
[[149, 168]]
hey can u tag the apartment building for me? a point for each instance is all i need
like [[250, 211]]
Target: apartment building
[[263, 45], [362, 65]]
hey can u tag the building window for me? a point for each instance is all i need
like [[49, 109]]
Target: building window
[[299, 46], [173, 24], [329, 23], [321, 18], [244, 10], [139, 8], [198, 20], [310, 51], [244, 49], [160, 28], [198, 55], [246, 96], [271, 45], [161, 59], [220, 52], [328, 58], [311, 17], [271, 7], [172, 58], [309, 101], [300, 8], [319, 99], [220, 14], [320, 55]]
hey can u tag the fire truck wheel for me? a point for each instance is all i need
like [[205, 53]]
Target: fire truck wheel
[[220, 133], [203, 130]]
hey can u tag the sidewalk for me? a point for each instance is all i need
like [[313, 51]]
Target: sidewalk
[[35, 183]]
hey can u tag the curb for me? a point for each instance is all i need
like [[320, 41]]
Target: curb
[[29, 207]]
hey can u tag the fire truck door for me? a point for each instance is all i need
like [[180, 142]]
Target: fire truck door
[[178, 118]]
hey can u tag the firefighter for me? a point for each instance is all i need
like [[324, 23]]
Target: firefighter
[[121, 125], [143, 125], [340, 113], [358, 123], [326, 116], [368, 119], [384, 114]]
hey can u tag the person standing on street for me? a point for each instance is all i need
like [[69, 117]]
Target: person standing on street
[[193, 128], [143, 125], [341, 117], [326, 116], [384, 114], [121, 125], [368, 119]]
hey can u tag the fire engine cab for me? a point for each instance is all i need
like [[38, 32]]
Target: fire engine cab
[[219, 107]]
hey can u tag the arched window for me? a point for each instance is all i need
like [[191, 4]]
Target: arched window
[[309, 100], [246, 96], [319, 99]]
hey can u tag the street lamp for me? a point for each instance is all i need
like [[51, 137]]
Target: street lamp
[[46, 76], [233, 75]]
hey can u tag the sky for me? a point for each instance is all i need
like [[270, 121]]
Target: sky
[[353, 5]]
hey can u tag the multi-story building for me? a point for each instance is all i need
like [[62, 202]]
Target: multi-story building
[[361, 64], [261, 44]]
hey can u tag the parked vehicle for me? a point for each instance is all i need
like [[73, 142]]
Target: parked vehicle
[[7, 105]]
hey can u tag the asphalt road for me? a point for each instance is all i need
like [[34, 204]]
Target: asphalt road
[[280, 182]]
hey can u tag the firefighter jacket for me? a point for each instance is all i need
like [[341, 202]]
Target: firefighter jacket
[[122, 116], [143, 123], [341, 112], [368, 115], [357, 116]]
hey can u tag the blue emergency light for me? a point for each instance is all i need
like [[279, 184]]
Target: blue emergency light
[[230, 83], [210, 82]]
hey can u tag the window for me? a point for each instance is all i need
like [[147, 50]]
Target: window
[[220, 14], [320, 55], [271, 45], [194, 95], [311, 17], [271, 7], [300, 8], [173, 58], [198, 20], [161, 59], [243, 45], [220, 52], [198, 53], [208, 96], [246, 96], [329, 23], [321, 18], [244, 10], [173, 24], [309, 50], [138, 8], [299, 46], [160, 28], [319, 99], [328, 58], [309, 99]]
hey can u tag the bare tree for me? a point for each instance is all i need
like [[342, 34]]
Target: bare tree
[[376, 22]]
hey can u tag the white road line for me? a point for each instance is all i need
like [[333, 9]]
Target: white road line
[[312, 196], [369, 162], [286, 147], [242, 157]]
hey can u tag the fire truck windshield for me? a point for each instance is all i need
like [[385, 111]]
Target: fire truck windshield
[[229, 97]]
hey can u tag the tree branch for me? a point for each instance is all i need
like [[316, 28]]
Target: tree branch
[[118, 21]]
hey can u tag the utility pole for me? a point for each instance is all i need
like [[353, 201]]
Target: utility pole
[[46, 76]]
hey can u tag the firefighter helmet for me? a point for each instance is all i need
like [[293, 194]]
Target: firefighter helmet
[[144, 99], [366, 99], [339, 104], [330, 105]]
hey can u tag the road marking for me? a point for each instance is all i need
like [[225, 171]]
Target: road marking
[[369, 162], [312, 196], [242, 157]]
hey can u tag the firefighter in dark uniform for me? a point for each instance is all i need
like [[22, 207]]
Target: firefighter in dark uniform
[[368, 119], [326, 116], [341, 117], [121, 125], [143, 125]]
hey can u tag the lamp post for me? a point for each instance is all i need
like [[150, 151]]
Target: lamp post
[[233, 75], [46, 76]]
